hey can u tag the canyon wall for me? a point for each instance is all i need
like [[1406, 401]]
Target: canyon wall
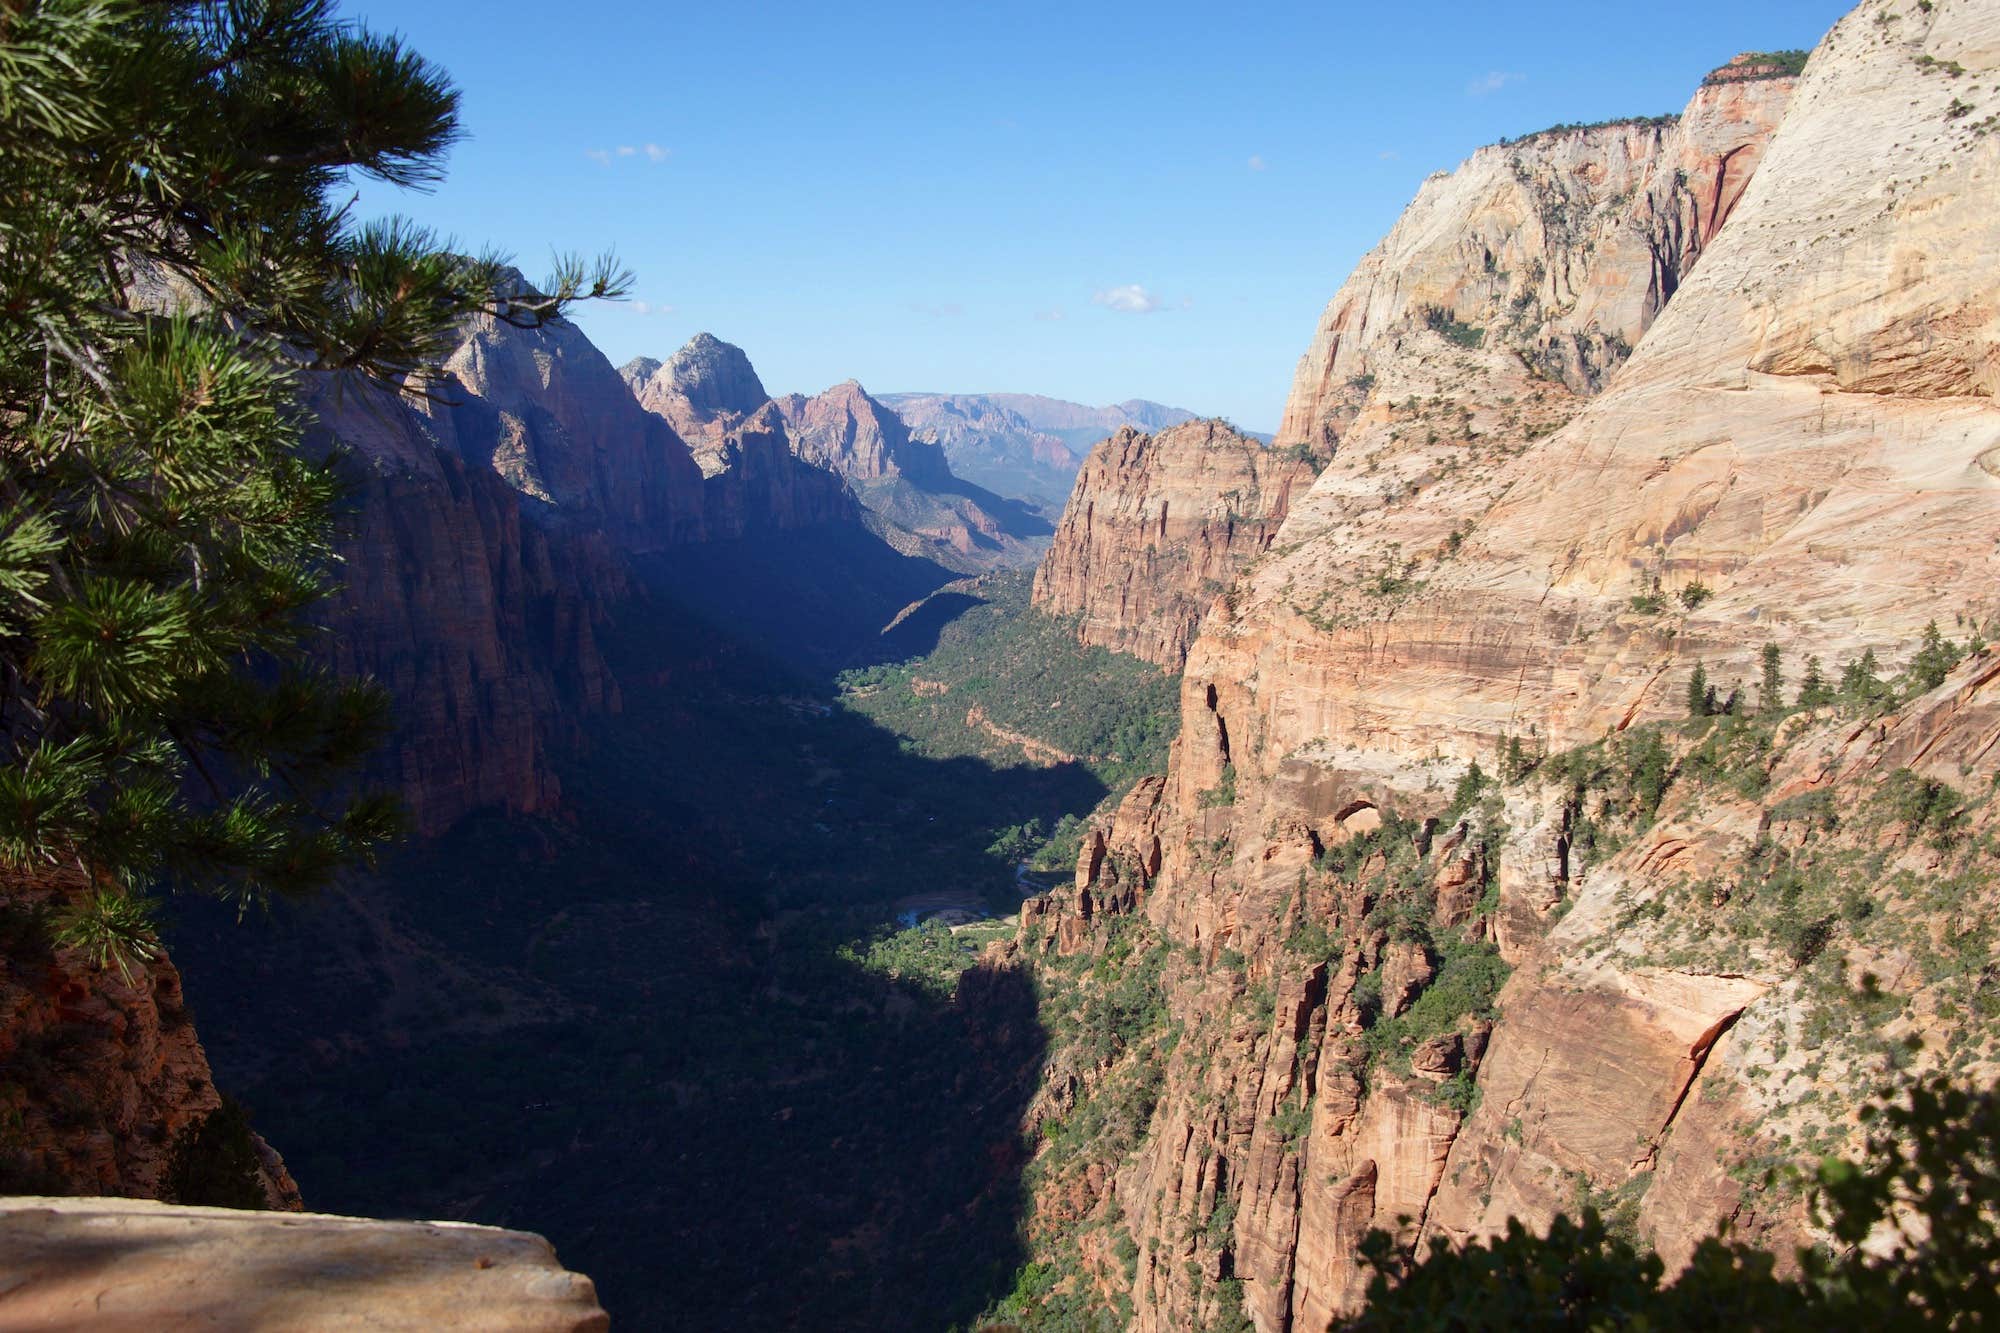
[[488, 548], [1158, 526], [1607, 403]]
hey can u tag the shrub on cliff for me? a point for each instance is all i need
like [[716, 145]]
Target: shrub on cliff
[[174, 266], [1927, 1201]]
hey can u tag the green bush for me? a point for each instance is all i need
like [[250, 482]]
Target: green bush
[[214, 1163], [1927, 1198]]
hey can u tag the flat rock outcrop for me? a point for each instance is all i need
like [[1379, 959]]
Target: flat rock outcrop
[[1158, 526], [126, 1266]]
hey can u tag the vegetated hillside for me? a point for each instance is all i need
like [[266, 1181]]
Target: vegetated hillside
[[1501, 1000], [1005, 680], [1524, 542]]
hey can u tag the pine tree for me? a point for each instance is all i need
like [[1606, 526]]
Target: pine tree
[[1771, 692], [174, 266], [1814, 692], [1935, 658], [1861, 682], [1700, 700]]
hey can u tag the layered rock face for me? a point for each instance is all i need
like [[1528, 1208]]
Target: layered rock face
[[1525, 536], [1158, 526], [120, 1264], [1560, 248], [101, 1075], [706, 387], [846, 431]]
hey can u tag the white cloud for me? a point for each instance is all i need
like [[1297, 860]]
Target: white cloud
[[1491, 82], [1131, 299], [648, 308], [1257, 162], [652, 152], [1388, 155], [1053, 315]]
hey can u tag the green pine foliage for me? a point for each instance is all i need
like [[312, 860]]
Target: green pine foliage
[[1700, 698], [1771, 694], [178, 262]]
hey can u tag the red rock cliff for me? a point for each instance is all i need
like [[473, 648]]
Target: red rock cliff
[[1157, 526]]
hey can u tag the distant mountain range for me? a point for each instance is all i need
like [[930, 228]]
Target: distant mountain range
[[711, 395], [1022, 444]]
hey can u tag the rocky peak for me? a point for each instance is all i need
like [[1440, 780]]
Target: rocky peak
[[638, 370], [847, 431], [702, 390]]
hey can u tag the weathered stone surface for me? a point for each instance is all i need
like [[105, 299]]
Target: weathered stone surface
[[1157, 527], [702, 390], [127, 1266], [845, 430], [101, 1073]]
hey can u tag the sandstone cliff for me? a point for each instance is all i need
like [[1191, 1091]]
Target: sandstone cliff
[[702, 390], [1524, 541], [1158, 526], [1556, 251]]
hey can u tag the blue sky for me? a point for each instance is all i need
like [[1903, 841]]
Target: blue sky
[[1093, 201]]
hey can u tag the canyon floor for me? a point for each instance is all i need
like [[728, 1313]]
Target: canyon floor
[[675, 1027]]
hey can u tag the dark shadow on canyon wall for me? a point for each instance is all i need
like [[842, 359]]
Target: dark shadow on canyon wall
[[641, 1025]]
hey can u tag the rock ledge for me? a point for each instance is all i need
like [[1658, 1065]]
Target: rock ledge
[[131, 1264]]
